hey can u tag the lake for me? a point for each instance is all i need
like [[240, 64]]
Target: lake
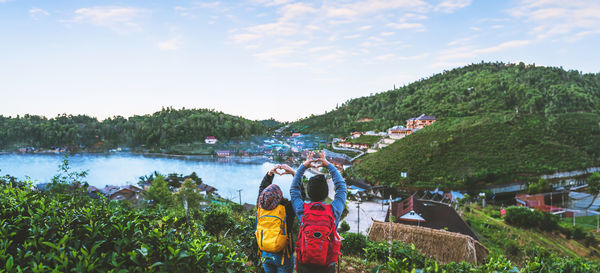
[[227, 175]]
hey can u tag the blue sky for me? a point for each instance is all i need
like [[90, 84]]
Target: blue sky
[[266, 58]]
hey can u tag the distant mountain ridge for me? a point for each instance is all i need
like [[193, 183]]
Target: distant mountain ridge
[[467, 91], [497, 123], [160, 129]]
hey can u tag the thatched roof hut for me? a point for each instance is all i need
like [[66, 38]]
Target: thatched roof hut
[[441, 245]]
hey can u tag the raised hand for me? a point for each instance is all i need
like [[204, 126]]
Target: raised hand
[[274, 170], [323, 159], [287, 169], [309, 159]]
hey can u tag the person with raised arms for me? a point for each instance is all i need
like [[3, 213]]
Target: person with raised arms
[[318, 245], [274, 222]]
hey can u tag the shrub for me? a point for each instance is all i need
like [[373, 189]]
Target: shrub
[[353, 243], [528, 218], [344, 227], [217, 218], [70, 233]]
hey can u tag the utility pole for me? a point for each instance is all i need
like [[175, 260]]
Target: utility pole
[[240, 194], [390, 231], [358, 215]]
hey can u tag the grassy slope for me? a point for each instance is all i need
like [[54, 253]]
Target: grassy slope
[[466, 91], [492, 148], [519, 244]]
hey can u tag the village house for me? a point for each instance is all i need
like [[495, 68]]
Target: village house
[[373, 133], [223, 153], [203, 188], [537, 201], [296, 134], [398, 132], [346, 144], [355, 134], [365, 120], [420, 122], [128, 192], [413, 211], [210, 140]]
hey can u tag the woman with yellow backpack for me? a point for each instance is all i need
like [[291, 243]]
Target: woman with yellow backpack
[[274, 221]]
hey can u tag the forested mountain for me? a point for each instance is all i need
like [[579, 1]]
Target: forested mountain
[[161, 129], [497, 123], [475, 152], [466, 91]]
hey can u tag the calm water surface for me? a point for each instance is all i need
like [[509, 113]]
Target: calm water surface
[[227, 175]]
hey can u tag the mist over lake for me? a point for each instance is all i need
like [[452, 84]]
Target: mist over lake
[[227, 175]]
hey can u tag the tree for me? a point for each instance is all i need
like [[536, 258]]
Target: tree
[[594, 183], [540, 186], [159, 192], [189, 193], [67, 178]]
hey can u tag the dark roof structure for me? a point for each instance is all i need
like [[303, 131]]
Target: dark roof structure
[[422, 117], [435, 215]]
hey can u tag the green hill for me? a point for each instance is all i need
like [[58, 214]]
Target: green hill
[[496, 123], [467, 91], [492, 148], [159, 130]]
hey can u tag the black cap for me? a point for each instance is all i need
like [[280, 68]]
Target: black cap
[[317, 188]]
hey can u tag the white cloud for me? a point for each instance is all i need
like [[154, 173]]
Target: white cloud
[[475, 28], [270, 3], [275, 52], [556, 18], [353, 36], [363, 28], [245, 37], [390, 33], [293, 11], [362, 8], [171, 44], [503, 46], [288, 65], [319, 48], [415, 57], [460, 41], [274, 29], [385, 57], [404, 25], [189, 11], [37, 13], [120, 19], [449, 6]]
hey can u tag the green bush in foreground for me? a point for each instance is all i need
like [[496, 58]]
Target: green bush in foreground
[[63, 233]]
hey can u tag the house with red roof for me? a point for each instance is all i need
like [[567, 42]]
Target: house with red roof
[[210, 140], [420, 121], [355, 134]]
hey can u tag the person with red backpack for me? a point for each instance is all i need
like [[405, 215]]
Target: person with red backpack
[[274, 222], [318, 245]]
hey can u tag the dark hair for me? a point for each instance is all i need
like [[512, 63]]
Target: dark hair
[[317, 188]]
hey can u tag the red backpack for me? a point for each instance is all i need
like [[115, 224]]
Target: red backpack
[[318, 242]]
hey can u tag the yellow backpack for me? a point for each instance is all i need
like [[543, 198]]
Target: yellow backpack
[[271, 229]]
